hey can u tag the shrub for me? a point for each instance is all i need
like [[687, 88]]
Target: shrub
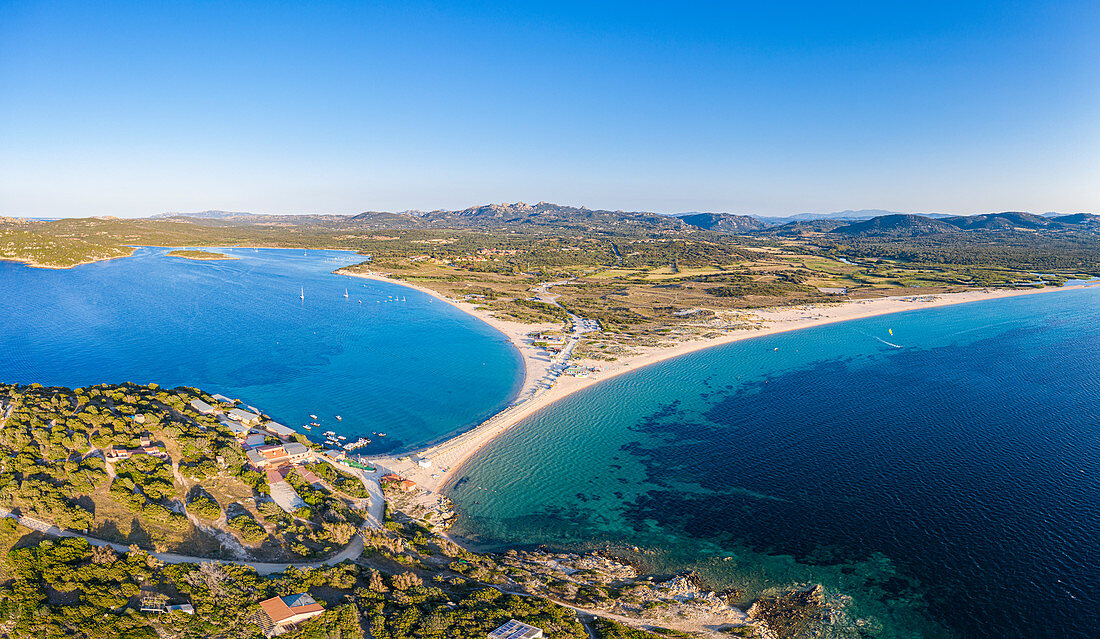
[[205, 507], [247, 526]]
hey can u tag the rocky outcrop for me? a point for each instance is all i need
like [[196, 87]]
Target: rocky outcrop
[[807, 612]]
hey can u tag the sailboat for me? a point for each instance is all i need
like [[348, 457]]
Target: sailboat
[[345, 293], [303, 295]]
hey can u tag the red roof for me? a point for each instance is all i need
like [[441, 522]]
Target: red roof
[[308, 475], [271, 452], [279, 611]]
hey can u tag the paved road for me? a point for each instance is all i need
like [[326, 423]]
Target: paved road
[[377, 502], [374, 519], [351, 551]]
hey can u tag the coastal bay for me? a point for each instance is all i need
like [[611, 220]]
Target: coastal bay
[[943, 488], [447, 457], [474, 456], [414, 370]]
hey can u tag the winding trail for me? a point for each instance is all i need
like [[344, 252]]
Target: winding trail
[[351, 551], [376, 504], [373, 520]]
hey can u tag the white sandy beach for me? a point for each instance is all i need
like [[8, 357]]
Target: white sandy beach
[[448, 456], [535, 360]]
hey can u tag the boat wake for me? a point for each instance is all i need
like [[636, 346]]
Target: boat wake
[[887, 343], [879, 339]]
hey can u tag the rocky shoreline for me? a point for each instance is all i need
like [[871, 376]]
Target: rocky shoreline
[[600, 583], [596, 582]]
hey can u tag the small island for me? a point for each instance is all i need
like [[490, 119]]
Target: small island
[[194, 254]]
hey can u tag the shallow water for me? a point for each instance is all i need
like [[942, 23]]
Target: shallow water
[[400, 362], [951, 487]]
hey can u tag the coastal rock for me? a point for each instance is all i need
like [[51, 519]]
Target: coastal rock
[[806, 612], [592, 568]]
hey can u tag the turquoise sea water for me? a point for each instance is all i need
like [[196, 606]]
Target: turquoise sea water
[[949, 487], [399, 362]]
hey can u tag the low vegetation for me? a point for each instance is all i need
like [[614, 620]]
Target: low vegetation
[[646, 278], [344, 482], [195, 254], [67, 588], [408, 581], [251, 531], [52, 468], [202, 505]]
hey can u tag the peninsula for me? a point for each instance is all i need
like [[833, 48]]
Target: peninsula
[[192, 254], [160, 483], [547, 379], [133, 510]]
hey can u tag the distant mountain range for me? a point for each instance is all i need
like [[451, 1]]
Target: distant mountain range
[[520, 214], [496, 216], [862, 214], [544, 215], [901, 225], [205, 215], [724, 222]]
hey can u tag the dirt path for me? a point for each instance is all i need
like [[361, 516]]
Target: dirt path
[[376, 501], [708, 626], [351, 551]]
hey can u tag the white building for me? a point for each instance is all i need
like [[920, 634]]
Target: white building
[[202, 406], [243, 416], [516, 630], [240, 430], [277, 455], [277, 429]]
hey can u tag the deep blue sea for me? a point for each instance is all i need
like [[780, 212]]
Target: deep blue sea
[[946, 487], [399, 362]]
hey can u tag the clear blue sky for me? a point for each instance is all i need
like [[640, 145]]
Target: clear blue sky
[[138, 108]]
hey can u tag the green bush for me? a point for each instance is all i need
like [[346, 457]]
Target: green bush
[[204, 506], [251, 531]]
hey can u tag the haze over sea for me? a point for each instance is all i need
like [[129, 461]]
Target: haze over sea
[[945, 476], [399, 363]]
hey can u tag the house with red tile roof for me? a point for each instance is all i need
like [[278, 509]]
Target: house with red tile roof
[[405, 484], [279, 614]]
